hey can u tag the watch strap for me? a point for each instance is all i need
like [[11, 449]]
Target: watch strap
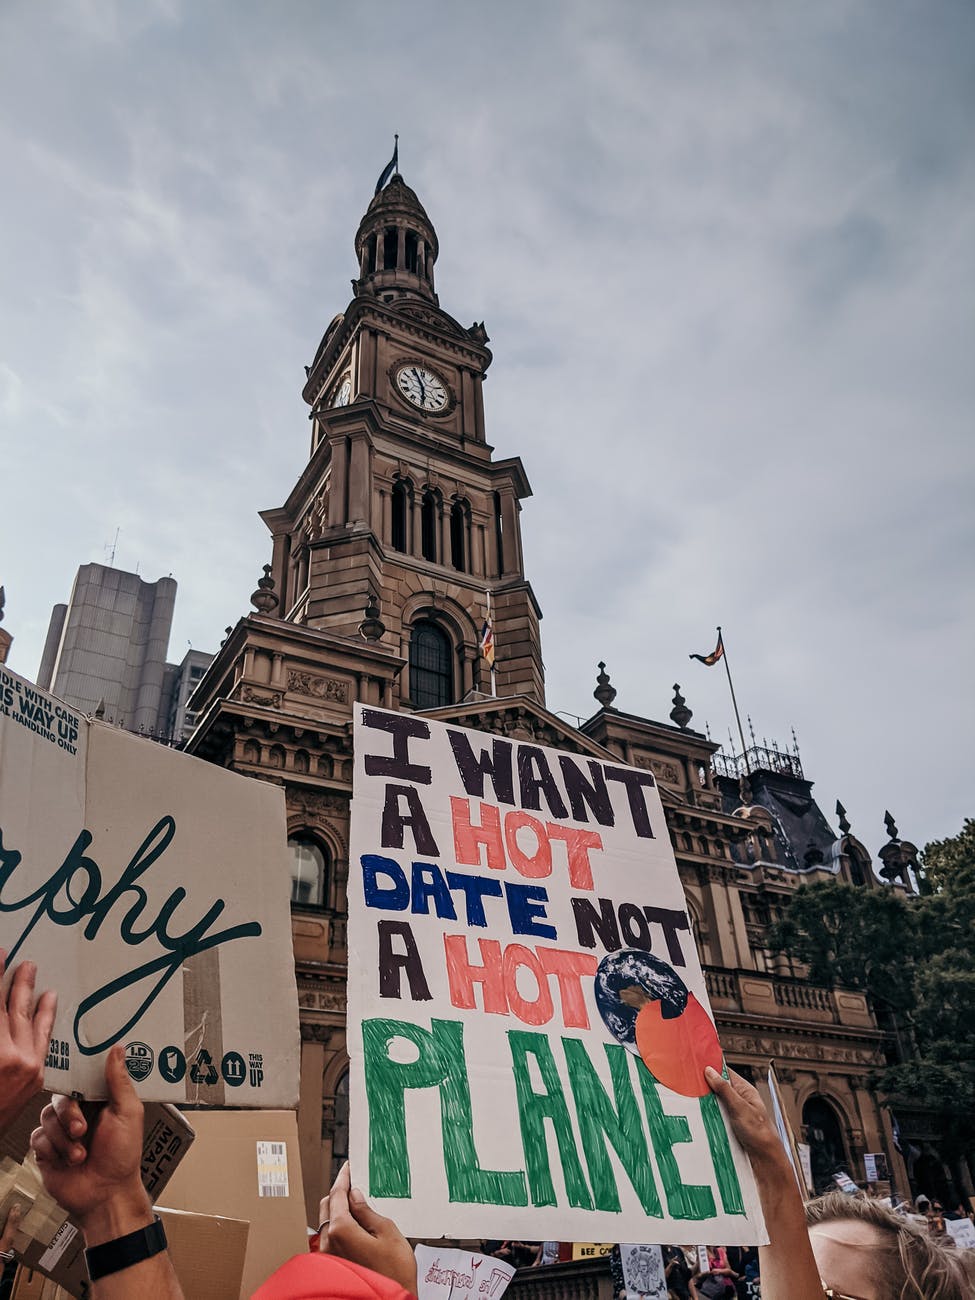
[[122, 1252]]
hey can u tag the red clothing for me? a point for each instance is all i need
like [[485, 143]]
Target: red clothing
[[326, 1277]]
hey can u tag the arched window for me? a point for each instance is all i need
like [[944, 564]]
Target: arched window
[[309, 871], [827, 1151], [431, 667], [428, 527], [340, 1128], [411, 251], [390, 248], [401, 516], [458, 536]]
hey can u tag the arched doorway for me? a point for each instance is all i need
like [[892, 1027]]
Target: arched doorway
[[827, 1150]]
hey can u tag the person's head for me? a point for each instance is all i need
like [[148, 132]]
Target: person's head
[[866, 1251]]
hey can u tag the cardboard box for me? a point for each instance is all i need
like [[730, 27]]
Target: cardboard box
[[153, 892], [207, 1251], [167, 1138], [245, 1165]]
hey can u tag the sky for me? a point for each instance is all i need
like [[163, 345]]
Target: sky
[[725, 255]]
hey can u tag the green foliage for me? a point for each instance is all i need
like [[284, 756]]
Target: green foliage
[[915, 959]]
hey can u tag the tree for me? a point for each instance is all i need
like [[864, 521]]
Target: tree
[[914, 957]]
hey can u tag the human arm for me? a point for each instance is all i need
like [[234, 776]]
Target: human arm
[[25, 1035], [788, 1266], [92, 1169], [354, 1231]]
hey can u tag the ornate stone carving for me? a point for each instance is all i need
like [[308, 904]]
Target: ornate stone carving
[[664, 771], [329, 999], [321, 688], [267, 699]]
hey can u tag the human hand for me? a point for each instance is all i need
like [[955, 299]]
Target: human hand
[[748, 1118], [354, 1231], [99, 1183], [14, 1216], [25, 1036]]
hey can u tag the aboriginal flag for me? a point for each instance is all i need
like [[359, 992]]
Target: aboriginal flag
[[716, 654]]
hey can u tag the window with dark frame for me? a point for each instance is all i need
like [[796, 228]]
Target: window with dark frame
[[431, 667], [309, 871]]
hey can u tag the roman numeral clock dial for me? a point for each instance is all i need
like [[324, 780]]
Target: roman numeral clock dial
[[421, 387]]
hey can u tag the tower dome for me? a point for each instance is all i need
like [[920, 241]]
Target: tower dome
[[396, 243]]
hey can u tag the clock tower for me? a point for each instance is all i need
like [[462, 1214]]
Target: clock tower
[[401, 502]]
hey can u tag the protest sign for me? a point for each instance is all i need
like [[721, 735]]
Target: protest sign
[[528, 1024], [962, 1232], [643, 1272], [875, 1166], [152, 891], [445, 1273]]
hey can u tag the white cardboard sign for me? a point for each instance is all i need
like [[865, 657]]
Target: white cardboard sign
[[643, 1272], [445, 1273], [519, 947], [152, 891]]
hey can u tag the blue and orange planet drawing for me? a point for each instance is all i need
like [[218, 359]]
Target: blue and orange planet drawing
[[648, 1008]]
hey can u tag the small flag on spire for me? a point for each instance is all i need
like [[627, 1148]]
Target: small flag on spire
[[716, 654], [391, 166], [487, 641]]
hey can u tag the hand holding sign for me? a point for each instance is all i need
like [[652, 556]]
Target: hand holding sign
[[351, 1229], [25, 1032]]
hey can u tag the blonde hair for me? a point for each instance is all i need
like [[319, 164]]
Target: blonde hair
[[911, 1264]]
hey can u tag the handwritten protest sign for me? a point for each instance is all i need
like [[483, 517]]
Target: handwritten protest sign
[[151, 889], [528, 1023], [444, 1273], [643, 1272]]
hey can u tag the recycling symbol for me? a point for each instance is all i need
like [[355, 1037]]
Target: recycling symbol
[[203, 1070]]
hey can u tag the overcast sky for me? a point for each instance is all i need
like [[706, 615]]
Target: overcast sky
[[724, 252]]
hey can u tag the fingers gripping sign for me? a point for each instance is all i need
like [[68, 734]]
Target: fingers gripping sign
[[85, 1163], [351, 1229], [25, 1033]]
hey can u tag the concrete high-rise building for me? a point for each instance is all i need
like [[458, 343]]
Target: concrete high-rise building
[[106, 650]]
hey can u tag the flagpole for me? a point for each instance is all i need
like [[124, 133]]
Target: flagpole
[[731, 688]]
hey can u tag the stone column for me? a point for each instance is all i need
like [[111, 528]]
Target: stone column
[[400, 248], [359, 481], [510, 546], [337, 513], [477, 550]]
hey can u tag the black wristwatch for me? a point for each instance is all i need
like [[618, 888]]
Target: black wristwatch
[[123, 1252]]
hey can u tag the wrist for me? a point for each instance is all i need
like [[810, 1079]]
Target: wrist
[[124, 1211]]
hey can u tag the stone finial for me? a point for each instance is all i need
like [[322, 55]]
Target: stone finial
[[3, 601], [680, 714], [604, 693], [372, 627], [264, 598], [889, 826], [100, 709], [841, 814], [226, 634]]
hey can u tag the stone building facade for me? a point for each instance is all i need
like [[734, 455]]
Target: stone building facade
[[398, 531]]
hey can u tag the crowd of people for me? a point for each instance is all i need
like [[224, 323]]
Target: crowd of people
[[839, 1246]]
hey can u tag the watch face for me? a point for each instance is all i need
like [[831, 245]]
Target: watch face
[[421, 387], [341, 398]]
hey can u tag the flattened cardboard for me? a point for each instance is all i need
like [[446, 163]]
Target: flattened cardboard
[[228, 1169], [60, 1256], [152, 890], [207, 1252]]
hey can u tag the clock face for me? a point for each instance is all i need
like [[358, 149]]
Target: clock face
[[421, 387], [341, 398]]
